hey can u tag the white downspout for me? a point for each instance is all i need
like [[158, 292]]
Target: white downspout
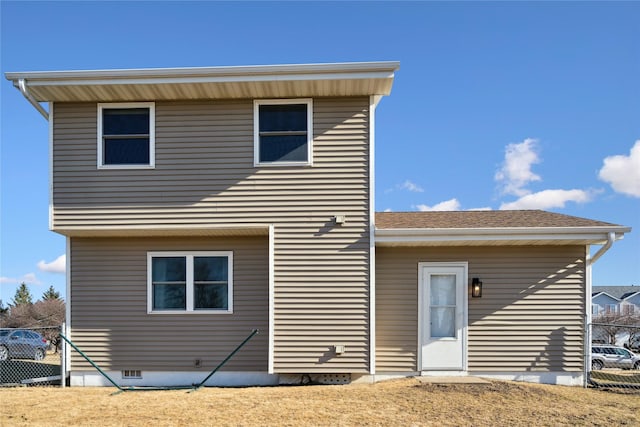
[[611, 237], [22, 85]]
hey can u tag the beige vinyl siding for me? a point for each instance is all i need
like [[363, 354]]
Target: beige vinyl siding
[[109, 316], [204, 170], [204, 177], [530, 317]]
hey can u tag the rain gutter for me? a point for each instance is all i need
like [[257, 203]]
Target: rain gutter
[[22, 85], [611, 237]]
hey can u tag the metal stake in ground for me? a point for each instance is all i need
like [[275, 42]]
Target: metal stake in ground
[[254, 332]]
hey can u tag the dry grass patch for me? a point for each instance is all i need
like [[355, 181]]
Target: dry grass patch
[[402, 402]]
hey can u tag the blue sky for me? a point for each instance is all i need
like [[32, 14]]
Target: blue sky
[[496, 105]]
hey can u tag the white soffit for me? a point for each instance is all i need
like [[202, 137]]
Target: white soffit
[[268, 81]]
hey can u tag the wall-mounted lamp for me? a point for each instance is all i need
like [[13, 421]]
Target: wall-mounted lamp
[[476, 288], [339, 219]]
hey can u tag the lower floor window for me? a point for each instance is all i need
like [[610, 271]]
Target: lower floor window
[[190, 281]]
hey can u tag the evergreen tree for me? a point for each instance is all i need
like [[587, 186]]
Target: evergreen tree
[[23, 296], [50, 294]]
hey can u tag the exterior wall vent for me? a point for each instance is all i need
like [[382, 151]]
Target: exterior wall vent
[[131, 373]]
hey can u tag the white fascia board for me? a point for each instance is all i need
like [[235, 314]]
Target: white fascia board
[[607, 294], [415, 235], [209, 79], [630, 296], [382, 68]]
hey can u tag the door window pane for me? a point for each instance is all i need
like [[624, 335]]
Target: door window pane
[[443, 289], [443, 322], [442, 297]]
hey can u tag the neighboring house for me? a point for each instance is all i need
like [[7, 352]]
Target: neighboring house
[[201, 203], [615, 300]]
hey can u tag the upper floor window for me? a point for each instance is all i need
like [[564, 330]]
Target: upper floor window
[[181, 282], [283, 132], [126, 135], [611, 309]]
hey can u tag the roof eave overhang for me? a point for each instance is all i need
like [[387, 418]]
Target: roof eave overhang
[[270, 81], [228, 230], [497, 236]]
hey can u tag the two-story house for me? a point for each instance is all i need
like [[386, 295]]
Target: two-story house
[[615, 300], [201, 203]]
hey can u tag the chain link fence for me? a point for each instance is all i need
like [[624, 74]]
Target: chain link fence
[[614, 361], [30, 356]]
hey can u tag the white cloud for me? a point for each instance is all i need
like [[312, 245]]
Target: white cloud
[[407, 185], [410, 186], [29, 279], [516, 172], [388, 210], [548, 199], [56, 266], [447, 205], [623, 172]]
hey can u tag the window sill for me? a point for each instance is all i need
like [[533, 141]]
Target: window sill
[[126, 167], [283, 164], [190, 312]]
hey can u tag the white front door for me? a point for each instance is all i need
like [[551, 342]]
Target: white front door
[[443, 316]]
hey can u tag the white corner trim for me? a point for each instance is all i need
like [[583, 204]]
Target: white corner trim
[[68, 302], [271, 347], [373, 100], [51, 118]]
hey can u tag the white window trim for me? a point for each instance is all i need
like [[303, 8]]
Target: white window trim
[[189, 256], [256, 130], [152, 133]]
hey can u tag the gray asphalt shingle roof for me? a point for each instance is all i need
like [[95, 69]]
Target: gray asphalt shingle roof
[[483, 219]]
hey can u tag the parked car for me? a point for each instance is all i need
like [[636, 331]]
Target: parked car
[[611, 356], [634, 343], [22, 344]]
